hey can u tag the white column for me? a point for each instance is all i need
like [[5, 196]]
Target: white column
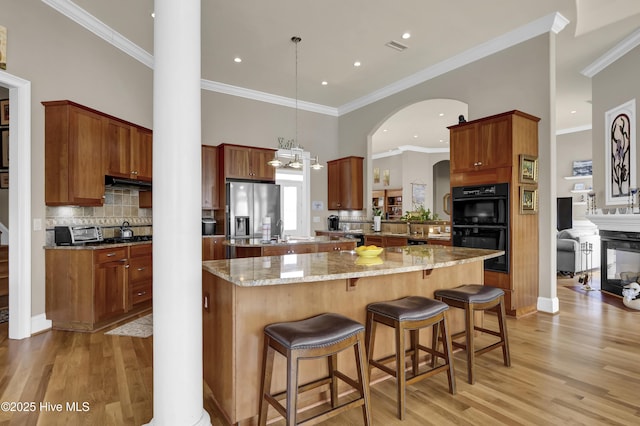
[[177, 250]]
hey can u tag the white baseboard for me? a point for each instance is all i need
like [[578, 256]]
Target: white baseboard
[[40, 323], [550, 306]]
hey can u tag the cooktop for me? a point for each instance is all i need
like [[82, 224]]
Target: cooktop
[[134, 239]]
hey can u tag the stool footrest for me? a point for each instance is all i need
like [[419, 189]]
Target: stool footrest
[[334, 412], [306, 387]]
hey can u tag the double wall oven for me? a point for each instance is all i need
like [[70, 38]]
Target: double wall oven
[[480, 219]]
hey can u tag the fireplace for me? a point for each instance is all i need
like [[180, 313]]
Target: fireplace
[[620, 249], [620, 252]]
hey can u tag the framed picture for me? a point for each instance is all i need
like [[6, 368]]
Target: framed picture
[[4, 112], [528, 169], [4, 180], [4, 154], [578, 187], [620, 152], [528, 199], [386, 177], [376, 175], [582, 168]]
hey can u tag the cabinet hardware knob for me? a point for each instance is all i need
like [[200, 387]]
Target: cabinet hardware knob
[[126, 266], [141, 269], [142, 293], [110, 254]]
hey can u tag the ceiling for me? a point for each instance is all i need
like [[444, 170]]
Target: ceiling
[[336, 33]]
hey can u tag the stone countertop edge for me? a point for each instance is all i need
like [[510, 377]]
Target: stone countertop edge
[[256, 242], [250, 266], [99, 246]]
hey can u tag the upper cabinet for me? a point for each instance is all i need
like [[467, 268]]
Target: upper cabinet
[[210, 189], [74, 166], [83, 145], [480, 145], [128, 150], [345, 184], [243, 162]]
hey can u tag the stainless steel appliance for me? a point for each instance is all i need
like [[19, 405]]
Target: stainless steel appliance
[[248, 204], [76, 235], [333, 223], [480, 219], [125, 230], [208, 226]]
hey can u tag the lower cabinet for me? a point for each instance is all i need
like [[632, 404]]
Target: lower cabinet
[[298, 248], [213, 247], [88, 289]]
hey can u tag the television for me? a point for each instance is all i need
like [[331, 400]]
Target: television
[[565, 213]]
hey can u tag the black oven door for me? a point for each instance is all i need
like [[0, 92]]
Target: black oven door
[[486, 237]]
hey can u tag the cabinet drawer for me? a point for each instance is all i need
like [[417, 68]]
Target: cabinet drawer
[[140, 269], [110, 255], [4, 268], [141, 292], [140, 250]]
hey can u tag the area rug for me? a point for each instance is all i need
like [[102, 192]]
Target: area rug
[[602, 296], [141, 327], [4, 315]]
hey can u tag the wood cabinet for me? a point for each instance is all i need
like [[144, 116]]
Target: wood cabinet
[[279, 250], [89, 289], [378, 200], [129, 150], [212, 247], [487, 151], [480, 144], [140, 274], [296, 248], [210, 188], [243, 162], [385, 241], [4, 275], [393, 203], [73, 147], [374, 240], [345, 184]]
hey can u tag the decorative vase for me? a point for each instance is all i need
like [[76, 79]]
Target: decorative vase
[[376, 223]]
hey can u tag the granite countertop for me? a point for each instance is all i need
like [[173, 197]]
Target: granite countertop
[[313, 267], [257, 242], [418, 237], [97, 246]]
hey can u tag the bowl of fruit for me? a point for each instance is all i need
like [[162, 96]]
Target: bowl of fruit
[[369, 251]]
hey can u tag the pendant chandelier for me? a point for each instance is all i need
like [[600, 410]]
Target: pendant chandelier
[[294, 147]]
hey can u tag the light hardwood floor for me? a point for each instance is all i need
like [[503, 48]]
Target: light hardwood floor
[[581, 366]]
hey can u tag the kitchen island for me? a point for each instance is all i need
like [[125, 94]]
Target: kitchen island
[[255, 247], [241, 296]]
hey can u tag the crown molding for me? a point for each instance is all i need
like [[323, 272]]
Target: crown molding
[[554, 22], [256, 95], [618, 51], [99, 28], [409, 148], [573, 129]]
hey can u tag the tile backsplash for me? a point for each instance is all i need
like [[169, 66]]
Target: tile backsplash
[[119, 205]]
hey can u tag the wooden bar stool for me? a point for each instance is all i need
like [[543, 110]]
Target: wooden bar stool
[[471, 298], [320, 336], [410, 314]]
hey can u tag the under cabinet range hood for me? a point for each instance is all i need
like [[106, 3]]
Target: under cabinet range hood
[[124, 183]]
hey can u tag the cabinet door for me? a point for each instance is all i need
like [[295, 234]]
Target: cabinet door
[[495, 143], [395, 242], [141, 153], [333, 172], [209, 177], [260, 170], [463, 148], [109, 283], [237, 160], [117, 145], [140, 279], [213, 248], [345, 184], [370, 240]]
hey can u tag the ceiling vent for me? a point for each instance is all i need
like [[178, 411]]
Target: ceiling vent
[[396, 45]]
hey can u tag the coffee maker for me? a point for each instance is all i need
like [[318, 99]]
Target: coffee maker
[[333, 223]]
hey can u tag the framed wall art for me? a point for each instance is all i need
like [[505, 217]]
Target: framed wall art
[[376, 175], [528, 199], [386, 178], [528, 169], [4, 112], [4, 153], [620, 151], [582, 168]]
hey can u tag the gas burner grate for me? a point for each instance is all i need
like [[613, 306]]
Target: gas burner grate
[[134, 239]]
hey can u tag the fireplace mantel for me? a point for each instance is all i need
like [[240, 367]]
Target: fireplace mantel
[[616, 222]]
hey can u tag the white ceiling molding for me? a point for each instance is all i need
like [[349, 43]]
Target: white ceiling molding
[[411, 148], [554, 22], [573, 130], [99, 28], [618, 51], [256, 95]]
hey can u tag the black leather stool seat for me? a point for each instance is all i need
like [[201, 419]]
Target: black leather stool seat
[[472, 298], [322, 336], [317, 332], [413, 308], [471, 293], [410, 314]]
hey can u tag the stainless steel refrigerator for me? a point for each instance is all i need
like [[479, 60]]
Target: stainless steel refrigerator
[[247, 205]]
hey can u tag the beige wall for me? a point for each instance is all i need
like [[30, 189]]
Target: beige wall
[[611, 87]]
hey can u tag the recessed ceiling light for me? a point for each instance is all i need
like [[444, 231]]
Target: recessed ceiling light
[[441, 114], [415, 136], [153, 14], [574, 111], [406, 36], [324, 83], [384, 130], [357, 64], [238, 60]]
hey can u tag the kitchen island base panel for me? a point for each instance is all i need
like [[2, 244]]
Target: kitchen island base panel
[[234, 318]]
